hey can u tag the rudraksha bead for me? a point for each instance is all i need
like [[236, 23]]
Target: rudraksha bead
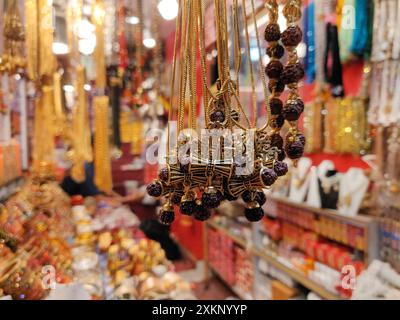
[[254, 214], [274, 69], [268, 177], [275, 51], [276, 106], [292, 36], [280, 168], [276, 140], [154, 189], [295, 150], [272, 32], [293, 110]]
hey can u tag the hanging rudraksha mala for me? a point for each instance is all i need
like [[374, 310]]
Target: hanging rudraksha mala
[[291, 76], [274, 70], [194, 180]]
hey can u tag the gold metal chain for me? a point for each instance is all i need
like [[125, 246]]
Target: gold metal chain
[[184, 68], [253, 87], [261, 65], [174, 59], [192, 68]]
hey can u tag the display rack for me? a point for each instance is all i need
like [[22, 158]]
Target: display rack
[[270, 258], [369, 225]]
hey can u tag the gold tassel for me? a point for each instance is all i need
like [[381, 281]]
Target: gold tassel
[[74, 15], [32, 38], [44, 129], [99, 54], [82, 148], [84, 115], [102, 159], [47, 65], [59, 116]]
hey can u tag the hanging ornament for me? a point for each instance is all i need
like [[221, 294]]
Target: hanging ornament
[[102, 153], [13, 60], [201, 172], [81, 134]]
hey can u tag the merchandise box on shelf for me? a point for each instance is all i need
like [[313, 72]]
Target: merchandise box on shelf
[[279, 268], [10, 162]]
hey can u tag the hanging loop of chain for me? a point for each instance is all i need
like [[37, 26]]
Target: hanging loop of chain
[[292, 11]]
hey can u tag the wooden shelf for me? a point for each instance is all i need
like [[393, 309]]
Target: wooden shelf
[[358, 220], [272, 259], [237, 292]]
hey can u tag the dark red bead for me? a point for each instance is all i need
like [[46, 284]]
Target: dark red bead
[[292, 73], [295, 150], [276, 140], [217, 116], [272, 32], [176, 197], [278, 122], [281, 168], [260, 198], [154, 189], [211, 200], [301, 138], [254, 214], [292, 36], [276, 106], [248, 196], [276, 86], [201, 213], [188, 207], [166, 217], [268, 176], [292, 110], [281, 155], [163, 175], [274, 69], [275, 51]]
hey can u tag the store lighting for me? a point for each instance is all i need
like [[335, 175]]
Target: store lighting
[[149, 43], [87, 10], [301, 50], [168, 9], [69, 88], [132, 20], [265, 59], [85, 29], [87, 87], [98, 14], [87, 46], [60, 48], [254, 54]]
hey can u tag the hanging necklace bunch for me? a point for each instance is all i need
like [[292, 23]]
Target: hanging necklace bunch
[[12, 60], [201, 172]]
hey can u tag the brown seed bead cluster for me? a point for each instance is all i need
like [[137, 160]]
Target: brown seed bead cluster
[[275, 70], [292, 74]]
